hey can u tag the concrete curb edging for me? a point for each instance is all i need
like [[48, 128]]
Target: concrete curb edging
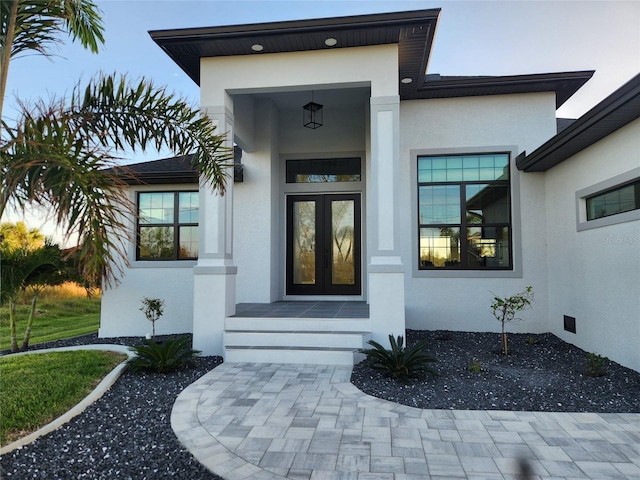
[[94, 395]]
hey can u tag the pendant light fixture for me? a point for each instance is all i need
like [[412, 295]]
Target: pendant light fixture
[[312, 114]]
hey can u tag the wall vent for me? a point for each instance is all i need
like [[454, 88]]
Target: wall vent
[[570, 324]]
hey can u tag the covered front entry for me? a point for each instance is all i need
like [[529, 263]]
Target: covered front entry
[[324, 244]]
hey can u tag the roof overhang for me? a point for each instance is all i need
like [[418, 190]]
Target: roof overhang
[[564, 84], [174, 170], [613, 113], [412, 31]]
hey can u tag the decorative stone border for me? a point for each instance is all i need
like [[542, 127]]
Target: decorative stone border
[[95, 394]]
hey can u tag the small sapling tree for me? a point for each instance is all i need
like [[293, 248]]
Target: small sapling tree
[[153, 308], [505, 309]]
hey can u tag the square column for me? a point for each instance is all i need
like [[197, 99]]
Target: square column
[[385, 269], [214, 277]]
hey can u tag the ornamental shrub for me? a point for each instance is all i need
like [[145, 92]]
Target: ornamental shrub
[[400, 362], [153, 308], [505, 309], [163, 357]]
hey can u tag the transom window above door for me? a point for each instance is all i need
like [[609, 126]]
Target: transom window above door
[[324, 170]]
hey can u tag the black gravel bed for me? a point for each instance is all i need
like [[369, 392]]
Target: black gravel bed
[[542, 373], [126, 434]]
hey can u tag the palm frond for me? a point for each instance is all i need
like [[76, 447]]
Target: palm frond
[[64, 158], [39, 25]]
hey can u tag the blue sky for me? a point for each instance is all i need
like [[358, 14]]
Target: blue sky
[[473, 38]]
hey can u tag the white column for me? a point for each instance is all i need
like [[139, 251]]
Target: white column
[[385, 268], [215, 275]]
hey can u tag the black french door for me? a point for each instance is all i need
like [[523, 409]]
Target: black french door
[[323, 244]]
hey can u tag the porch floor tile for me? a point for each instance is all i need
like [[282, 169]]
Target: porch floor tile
[[311, 423], [295, 309]]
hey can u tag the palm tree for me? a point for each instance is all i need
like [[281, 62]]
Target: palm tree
[[23, 268], [18, 235], [35, 26], [61, 154]]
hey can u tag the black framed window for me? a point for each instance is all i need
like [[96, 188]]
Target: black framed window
[[167, 225], [624, 198], [464, 212]]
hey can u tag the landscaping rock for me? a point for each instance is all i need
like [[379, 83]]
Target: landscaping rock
[[542, 374]]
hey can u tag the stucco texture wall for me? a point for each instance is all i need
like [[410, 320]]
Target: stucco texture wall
[[477, 124], [121, 315], [594, 274]]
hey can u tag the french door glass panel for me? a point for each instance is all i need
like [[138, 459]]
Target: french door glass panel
[[304, 243], [343, 240]]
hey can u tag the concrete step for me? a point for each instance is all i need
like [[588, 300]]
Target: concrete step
[[321, 341], [350, 340], [301, 355], [296, 324]]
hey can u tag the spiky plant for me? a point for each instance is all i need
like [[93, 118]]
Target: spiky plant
[[163, 357], [400, 363]]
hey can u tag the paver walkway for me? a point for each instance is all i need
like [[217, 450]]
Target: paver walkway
[[308, 422]]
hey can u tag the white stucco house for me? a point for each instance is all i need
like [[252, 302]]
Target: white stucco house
[[372, 196]]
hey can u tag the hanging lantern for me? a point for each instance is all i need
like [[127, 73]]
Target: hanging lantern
[[312, 114]]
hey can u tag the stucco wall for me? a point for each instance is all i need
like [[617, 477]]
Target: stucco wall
[[255, 229], [460, 300], [375, 66], [594, 274], [171, 281], [121, 315]]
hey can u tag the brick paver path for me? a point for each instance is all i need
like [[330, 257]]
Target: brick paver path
[[271, 421]]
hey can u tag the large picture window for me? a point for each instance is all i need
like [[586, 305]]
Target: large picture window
[[464, 213], [167, 226]]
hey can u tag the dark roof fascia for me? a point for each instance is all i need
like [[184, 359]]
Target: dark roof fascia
[[564, 84], [295, 26], [165, 171], [163, 178], [613, 113], [184, 46]]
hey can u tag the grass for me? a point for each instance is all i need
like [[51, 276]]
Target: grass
[[38, 388], [62, 312]]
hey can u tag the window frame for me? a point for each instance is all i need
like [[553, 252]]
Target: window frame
[[464, 225], [611, 184], [515, 270], [176, 225]]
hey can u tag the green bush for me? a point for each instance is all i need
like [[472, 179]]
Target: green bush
[[474, 366], [400, 362], [596, 365], [165, 356]]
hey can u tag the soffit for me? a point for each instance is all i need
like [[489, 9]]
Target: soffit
[[413, 31]]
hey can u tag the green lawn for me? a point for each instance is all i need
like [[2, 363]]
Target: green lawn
[[56, 318], [38, 388]]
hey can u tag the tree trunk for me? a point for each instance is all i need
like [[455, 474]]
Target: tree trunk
[[32, 314], [5, 53], [12, 325], [504, 334]]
